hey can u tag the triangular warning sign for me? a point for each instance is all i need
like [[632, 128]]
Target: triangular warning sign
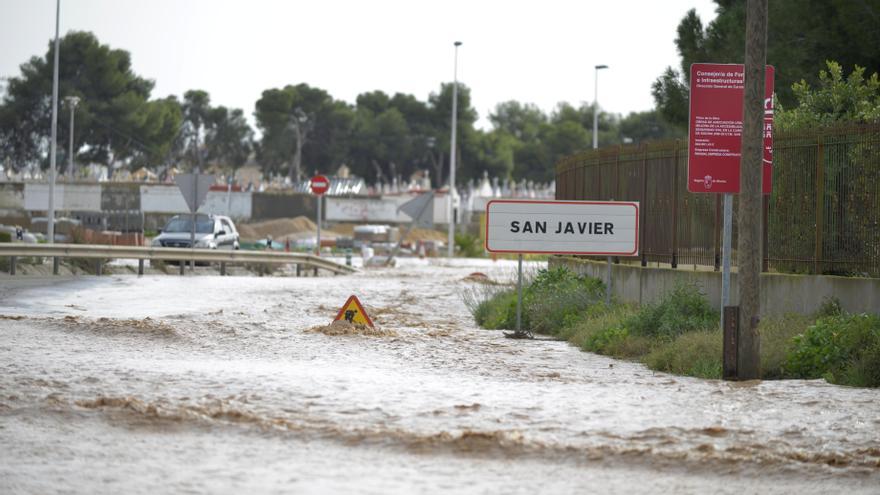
[[353, 312]]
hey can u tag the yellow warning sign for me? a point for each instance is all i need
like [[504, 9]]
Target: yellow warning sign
[[354, 313]]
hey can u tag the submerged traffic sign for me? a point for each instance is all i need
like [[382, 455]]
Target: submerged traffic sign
[[353, 312], [608, 228]]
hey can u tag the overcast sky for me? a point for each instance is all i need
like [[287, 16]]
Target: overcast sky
[[539, 51]]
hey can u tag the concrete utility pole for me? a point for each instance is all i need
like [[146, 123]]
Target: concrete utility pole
[[749, 343]]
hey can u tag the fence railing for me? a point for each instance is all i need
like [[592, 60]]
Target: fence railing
[[180, 255], [822, 217]]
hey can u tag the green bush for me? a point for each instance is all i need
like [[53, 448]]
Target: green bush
[[695, 353], [776, 340], [843, 349], [493, 308], [682, 310], [469, 246], [5, 237], [558, 298]]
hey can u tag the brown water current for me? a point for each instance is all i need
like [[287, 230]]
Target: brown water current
[[237, 384]]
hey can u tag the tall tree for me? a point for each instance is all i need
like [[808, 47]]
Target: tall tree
[[115, 120], [802, 35], [301, 121], [196, 115], [229, 140]]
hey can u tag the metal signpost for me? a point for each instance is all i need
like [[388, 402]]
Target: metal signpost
[[599, 228], [714, 148], [194, 188], [319, 185]]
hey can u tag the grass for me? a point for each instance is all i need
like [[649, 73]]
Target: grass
[[680, 333]]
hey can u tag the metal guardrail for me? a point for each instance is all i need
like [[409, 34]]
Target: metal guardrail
[[169, 254]]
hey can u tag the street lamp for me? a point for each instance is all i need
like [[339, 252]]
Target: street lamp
[[596, 107], [451, 240], [53, 152], [72, 102]]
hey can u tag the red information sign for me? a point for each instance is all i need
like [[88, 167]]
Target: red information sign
[[320, 184], [716, 128]]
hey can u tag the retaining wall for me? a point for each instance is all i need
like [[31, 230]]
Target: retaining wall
[[780, 293]]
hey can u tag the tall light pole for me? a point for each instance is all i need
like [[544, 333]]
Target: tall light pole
[[596, 106], [53, 152], [608, 274], [450, 249], [72, 102]]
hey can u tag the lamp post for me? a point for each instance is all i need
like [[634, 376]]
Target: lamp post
[[72, 102], [608, 274], [50, 223], [450, 248], [596, 107]]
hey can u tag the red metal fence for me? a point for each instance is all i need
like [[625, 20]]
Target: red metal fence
[[822, 217]]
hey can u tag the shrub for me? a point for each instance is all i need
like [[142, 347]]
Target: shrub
[[601, 331], [693, 354], [5, 237], [843, 349], [492, 307], [558, 298], [469, 246], [776, 340], [682, 310]]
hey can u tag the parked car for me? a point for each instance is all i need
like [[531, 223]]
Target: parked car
[[212, 232]]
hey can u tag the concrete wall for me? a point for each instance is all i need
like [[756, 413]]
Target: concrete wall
[[68, 197], [266, 206], [167, 199], [11, 196], [780, 293], [381, 210]]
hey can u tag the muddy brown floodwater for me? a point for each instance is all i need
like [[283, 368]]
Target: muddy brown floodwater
[[221, 385]]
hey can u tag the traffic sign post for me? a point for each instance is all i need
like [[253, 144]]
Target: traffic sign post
[[194, 188], [605, 228], [319, 185], [714, 149]]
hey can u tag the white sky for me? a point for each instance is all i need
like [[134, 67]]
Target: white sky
[[539, 51]]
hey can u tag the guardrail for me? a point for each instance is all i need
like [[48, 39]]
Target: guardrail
[[15, 250]]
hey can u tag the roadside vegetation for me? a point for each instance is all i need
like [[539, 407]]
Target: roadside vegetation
[[680, 334]]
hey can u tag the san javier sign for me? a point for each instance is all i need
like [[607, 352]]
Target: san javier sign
[[606, 228]]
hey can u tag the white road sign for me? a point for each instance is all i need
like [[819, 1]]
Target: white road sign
[[608, 228]]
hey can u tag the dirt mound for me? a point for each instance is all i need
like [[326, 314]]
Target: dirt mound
[[426, 235], [278, 228], [342, 327]]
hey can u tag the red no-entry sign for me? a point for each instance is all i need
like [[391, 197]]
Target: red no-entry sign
[[320, 184], [715, 130]]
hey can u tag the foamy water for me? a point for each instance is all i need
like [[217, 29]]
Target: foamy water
[[210, 384]]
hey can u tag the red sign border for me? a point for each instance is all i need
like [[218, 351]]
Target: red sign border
[[564, 201], [318, 178], [341, 314]]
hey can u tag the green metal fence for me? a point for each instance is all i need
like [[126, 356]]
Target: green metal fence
[[822, 217]]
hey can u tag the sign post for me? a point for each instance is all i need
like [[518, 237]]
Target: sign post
[[194, 188], [601, 228], [714, 148], [319, 185]]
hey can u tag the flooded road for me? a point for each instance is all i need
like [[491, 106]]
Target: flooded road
[[209, 384]]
